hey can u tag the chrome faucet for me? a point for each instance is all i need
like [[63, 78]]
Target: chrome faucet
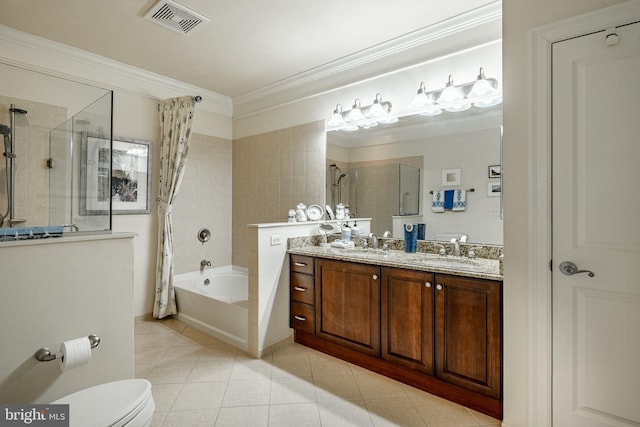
[[205, 263], [442, 251], [472, 251], [374, 241], [456, 246]]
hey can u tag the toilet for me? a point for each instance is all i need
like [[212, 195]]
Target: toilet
[[115, 404]]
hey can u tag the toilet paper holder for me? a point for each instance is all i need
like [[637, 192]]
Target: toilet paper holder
[[45, 355]]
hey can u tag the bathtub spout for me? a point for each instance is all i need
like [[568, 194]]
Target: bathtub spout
[[205, 263]]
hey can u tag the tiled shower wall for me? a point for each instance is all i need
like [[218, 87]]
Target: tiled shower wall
[[204, 201], [272, 173], [31, 147]]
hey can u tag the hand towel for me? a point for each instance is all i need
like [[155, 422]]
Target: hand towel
[[459, 200], [437, 204], [448, 199]]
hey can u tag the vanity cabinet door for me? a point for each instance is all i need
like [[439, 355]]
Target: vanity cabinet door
[[468, 333], [348, 304], [407, 318]]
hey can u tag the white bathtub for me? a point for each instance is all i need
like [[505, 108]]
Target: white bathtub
[[216, 301]]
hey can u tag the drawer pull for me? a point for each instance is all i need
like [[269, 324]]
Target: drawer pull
[[300, 264], [299, 289], [300, 318]]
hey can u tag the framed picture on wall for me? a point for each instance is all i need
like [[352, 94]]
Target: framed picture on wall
[[450, 177], [494, 188], [495, 171], [129, 188]]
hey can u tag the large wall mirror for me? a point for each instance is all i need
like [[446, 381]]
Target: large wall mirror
[[388, 173], [45, 123]]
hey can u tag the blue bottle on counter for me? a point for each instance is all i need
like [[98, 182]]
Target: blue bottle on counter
[[410, 238]]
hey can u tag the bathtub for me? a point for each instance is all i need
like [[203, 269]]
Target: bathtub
[[215, 301]]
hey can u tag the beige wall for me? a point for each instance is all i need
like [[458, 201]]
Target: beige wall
[[60, 289], [272, 173], [519, 16], [204, 201]]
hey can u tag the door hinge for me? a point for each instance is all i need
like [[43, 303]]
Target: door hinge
[[50, 163], [550, 265]]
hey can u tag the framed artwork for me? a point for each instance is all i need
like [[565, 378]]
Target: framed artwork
[[494, 188], [128, 187], [495, 171], [450, 177]]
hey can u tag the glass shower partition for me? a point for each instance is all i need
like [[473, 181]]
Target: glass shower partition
[[80, 169]]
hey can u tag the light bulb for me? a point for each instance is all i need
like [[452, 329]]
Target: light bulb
[[336, 118], [355, 114]]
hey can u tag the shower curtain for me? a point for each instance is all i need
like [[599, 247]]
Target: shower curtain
[[176, 118]]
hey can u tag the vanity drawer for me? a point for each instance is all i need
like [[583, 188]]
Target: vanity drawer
[[302, 317], [301, 264], [301, 288]]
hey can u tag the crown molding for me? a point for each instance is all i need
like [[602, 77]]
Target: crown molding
[[419, 46], [59, 60]]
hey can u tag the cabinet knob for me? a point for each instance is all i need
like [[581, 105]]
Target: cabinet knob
[[300, 318], [439, 287], [428, 284], [375, 277], [299, 289]]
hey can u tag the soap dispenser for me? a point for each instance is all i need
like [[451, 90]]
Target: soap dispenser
[[346, 233], [355, 231]]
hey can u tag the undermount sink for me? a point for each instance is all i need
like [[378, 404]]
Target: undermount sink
[[446, 262]]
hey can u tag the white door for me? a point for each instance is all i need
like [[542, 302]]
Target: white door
[[596, 226]]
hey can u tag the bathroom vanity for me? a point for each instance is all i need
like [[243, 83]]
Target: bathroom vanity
[[431, 322]]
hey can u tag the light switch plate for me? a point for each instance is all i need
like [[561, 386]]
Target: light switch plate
[[276, 240]]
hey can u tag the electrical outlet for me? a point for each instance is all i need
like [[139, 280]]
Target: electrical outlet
[[276, 240]]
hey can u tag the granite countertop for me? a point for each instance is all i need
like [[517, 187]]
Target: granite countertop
[[482, 268]]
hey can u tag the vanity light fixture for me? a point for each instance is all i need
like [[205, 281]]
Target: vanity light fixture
[[453, 98], [481, 93], [484, 93], [361, 117], [423, 103]]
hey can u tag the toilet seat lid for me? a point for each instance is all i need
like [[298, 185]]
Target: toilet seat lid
[[110, 404]]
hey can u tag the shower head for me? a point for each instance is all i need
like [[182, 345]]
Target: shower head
[[6, 131], [17, 110], [340, 177]]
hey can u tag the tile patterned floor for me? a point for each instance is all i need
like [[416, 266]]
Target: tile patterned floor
[[200, 381]]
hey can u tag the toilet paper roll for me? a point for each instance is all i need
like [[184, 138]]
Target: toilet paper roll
[[75, 353]]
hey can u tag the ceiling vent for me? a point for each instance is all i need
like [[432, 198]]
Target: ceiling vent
[[175, 17]]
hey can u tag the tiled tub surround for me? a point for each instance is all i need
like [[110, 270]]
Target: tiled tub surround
[[487, 263]]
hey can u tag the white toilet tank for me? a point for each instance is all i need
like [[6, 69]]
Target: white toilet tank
[[115, 404]]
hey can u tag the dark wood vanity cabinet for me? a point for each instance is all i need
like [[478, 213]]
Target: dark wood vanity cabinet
[[438, 332], [407, 311], [348, 305], [469, 333], [302, 293]]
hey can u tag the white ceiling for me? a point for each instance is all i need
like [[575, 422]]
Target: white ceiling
[[245, 47]]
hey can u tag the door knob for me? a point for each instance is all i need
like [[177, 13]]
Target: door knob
[[570, 269]]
